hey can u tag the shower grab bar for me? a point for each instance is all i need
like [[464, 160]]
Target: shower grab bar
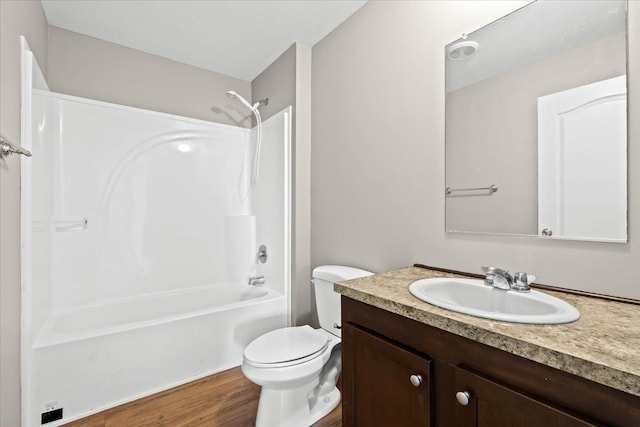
[[71, 224], [491, 189], [8, 147]]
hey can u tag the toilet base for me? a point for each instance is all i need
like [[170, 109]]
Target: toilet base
[[292, 408], [325, 405]]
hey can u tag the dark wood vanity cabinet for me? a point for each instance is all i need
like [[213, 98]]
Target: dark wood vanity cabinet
[[483, 402], [390, 386], [384, 354]]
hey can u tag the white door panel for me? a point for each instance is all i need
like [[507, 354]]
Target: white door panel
[[582, 162]]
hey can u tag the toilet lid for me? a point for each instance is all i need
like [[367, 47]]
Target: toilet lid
[[286, 344]]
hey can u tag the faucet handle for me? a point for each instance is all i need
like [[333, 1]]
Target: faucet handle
[[521, 282]]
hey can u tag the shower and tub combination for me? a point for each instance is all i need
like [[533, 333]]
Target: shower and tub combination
[[140, 234]]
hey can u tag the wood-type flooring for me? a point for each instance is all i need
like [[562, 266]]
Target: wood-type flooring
[[226, 399]]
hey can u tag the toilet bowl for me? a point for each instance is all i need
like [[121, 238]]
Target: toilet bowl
[[298, 367]]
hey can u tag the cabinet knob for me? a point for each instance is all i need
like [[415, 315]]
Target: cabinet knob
[[416, 380], [463, 397]]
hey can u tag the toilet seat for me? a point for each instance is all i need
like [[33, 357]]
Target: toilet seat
[[286, 347]]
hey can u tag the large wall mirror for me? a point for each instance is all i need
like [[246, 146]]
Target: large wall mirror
[[536, 123]]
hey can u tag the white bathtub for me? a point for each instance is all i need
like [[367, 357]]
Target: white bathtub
[[125, 314], [136, 248], [139, 346]]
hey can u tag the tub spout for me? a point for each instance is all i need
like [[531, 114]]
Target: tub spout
[[256, 280]]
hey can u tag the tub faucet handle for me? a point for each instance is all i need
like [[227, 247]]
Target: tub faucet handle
[[262, 254]]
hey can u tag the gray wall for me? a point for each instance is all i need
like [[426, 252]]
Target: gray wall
[[91, 68], [287, 82], [278, 83], [16, 18], [378, 154], [492, 135], [302, 305]]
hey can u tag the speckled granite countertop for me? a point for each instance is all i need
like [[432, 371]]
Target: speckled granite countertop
[[602, 346]]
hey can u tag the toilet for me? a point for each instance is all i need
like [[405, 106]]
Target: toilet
[[298, 367]]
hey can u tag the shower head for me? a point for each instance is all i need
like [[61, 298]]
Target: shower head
[[234, 95]]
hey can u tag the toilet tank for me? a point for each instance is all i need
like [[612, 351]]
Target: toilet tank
[[327, 300]]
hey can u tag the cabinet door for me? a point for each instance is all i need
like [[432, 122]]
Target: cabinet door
[[491, 404], [385, 385]]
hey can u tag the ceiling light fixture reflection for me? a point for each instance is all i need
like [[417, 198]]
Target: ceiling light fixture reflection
[[185, 148], [462, 50]]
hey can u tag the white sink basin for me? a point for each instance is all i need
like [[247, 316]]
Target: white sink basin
[[473, 297]]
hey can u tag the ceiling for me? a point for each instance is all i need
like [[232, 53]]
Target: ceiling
[[231, 37], [537, 31]]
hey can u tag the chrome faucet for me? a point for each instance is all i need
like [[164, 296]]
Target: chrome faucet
[[256, 280], [502, 279], [497, 278]]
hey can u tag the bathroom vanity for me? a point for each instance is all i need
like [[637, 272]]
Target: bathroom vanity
[[409, 363]]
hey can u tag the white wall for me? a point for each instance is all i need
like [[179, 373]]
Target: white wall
[[378, 154], [156, 214], [16, 18]]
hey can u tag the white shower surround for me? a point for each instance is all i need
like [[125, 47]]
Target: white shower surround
[[144, 297]]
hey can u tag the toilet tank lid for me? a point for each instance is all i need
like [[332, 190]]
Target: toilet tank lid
[[336, 273]]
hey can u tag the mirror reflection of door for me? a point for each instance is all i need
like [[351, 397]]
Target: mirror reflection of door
[[582, 166], [494, 77]]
